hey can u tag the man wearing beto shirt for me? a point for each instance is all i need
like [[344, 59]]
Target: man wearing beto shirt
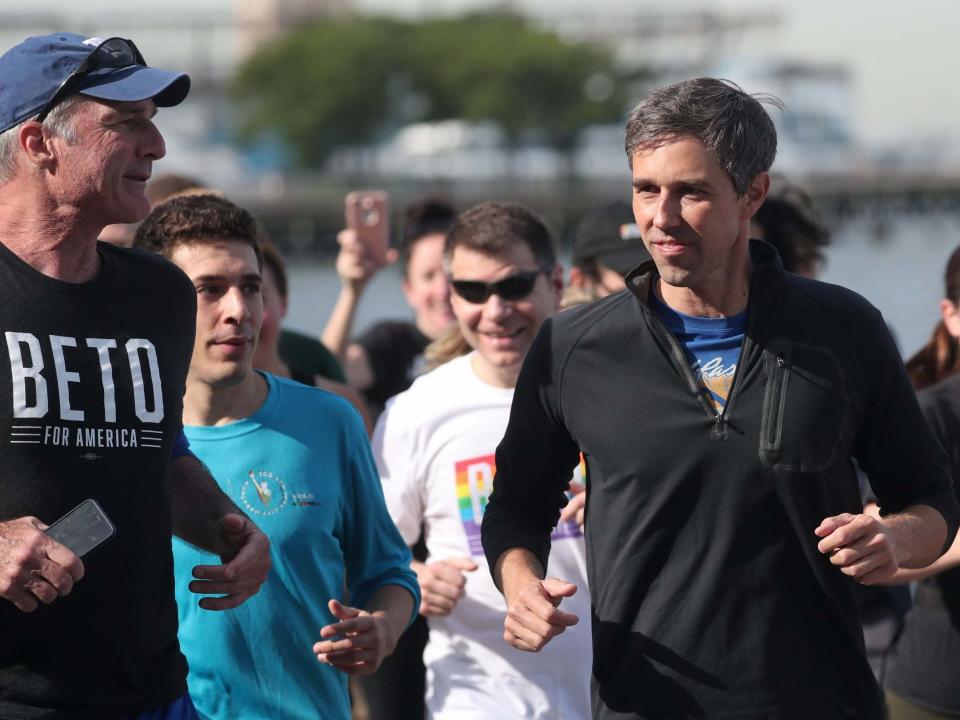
[[718, 405], [97, 342]]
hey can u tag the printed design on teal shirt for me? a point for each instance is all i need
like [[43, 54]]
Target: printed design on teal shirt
[[265, 493], [474, 479]]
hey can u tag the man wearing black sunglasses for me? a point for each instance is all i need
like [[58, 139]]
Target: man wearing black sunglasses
[[434, 446], [98, 342]]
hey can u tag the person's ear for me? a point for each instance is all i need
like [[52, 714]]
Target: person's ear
[[756, 193], [36, 145]]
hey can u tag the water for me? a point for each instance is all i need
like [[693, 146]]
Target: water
[[902, 275]]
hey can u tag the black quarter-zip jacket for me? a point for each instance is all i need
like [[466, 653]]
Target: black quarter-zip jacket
[[710, 598]]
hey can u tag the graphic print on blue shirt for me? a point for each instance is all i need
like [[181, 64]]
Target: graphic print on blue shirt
[[712, 347]]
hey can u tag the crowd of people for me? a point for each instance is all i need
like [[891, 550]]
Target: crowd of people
[[688, 480]]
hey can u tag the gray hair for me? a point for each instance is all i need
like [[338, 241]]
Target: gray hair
[[58, 122], [730, 123]]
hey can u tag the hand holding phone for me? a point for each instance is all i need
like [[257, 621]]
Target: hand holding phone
[[83, 528], [34, 568], [368, 215]]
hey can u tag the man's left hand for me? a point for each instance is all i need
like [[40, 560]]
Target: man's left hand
[[862, 546], [365, 640], [246, 562]]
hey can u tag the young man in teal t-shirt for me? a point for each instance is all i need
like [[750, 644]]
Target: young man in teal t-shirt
[[297, 459]]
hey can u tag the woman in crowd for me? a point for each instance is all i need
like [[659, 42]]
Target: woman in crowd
[[384, 360], [940, 357], [922, 677]]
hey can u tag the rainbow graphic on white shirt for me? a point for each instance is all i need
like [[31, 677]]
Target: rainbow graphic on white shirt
[[474, 478]]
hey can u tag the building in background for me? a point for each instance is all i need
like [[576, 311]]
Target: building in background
[[259, 21], [816, 133]]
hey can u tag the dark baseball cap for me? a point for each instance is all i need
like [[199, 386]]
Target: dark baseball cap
[[609, 235], [40, 68]]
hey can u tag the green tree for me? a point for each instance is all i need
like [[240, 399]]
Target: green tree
[[318, 87], [349, 81], [497, 67]]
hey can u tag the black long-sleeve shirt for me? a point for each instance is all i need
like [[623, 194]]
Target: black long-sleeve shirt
[[710, 598]]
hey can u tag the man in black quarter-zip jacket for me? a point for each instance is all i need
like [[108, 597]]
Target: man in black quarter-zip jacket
[[718, 403]]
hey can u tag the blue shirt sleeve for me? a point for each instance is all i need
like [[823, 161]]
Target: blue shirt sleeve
[[181, 446], [375, 554]]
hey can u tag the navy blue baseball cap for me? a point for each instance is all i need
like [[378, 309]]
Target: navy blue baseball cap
[[41, 71]]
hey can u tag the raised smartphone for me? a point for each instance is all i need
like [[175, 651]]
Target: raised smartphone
[[368, 215], [83, 528]]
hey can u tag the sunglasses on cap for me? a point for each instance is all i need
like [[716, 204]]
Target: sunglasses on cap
[[513, 287], [111, 53]]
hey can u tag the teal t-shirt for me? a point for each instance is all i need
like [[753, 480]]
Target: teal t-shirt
[[712, 347], [301, 468]]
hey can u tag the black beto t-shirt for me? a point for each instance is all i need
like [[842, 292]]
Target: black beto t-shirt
[[92, 378]]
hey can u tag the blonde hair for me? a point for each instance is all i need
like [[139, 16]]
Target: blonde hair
[[451, 344], [574, 296]]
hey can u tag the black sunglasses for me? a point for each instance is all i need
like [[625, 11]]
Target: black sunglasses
[[513, 287], [111, 53]]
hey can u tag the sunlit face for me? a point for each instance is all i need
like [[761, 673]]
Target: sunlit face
[[690, 216], [425, 286], [229, 309], [105, 172], [501, 331]]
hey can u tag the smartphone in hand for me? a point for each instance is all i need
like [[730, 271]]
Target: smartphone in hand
[[368, 215], [83, 528]]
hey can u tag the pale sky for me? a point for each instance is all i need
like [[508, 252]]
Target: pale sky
[[902, 55]]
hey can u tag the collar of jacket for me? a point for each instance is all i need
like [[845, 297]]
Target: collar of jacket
[[766, 270]]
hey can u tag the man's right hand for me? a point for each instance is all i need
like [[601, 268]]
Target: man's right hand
[[534, 617], [34, 567], [442, 584], [355, 264]]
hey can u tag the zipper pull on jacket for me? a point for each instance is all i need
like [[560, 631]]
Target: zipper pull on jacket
[[718, 433]]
